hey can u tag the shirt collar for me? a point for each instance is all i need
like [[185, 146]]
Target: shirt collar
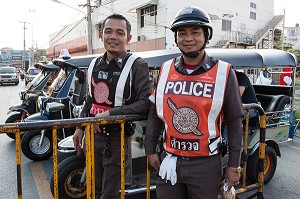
[[118, 60], [206, 63]]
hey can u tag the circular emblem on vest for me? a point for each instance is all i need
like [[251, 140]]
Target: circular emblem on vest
[[185, 120]]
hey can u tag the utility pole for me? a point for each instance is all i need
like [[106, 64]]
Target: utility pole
[[32, 11], [89, 28], [24, 45], [89, 22]]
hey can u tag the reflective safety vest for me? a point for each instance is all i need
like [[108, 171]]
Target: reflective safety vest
[[191, 108], [119, 94]]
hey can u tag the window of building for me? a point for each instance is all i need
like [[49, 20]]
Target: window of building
[[253, 15], [226, 25], [148, 15], [253, 5]]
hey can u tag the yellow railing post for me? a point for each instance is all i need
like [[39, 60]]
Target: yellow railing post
[[148, 180], [18, 161], [93, 162], [122, 161], [88, 132], [55, 163]]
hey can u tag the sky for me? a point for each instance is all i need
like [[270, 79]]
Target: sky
[[44, 17]]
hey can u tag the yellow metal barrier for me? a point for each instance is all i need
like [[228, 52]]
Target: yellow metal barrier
[[260, 184], [88, 123]]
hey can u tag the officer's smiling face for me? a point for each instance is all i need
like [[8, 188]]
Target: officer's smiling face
[[190, 38], [115, 37]]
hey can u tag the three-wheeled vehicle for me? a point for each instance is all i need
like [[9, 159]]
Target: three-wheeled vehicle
[[66, 91], [275, 99], [29, 96]]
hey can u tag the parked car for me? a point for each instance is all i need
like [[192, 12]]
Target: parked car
[[31, 74], [8, 74]]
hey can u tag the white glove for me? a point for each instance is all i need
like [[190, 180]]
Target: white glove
[[167, 169]]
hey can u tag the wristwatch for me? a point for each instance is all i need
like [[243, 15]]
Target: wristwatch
[[236, 169]]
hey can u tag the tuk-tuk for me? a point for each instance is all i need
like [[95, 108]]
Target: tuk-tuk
[[29, 96], [66, 92], [277, 101]]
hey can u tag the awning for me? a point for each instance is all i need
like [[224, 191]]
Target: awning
[[143, 5]]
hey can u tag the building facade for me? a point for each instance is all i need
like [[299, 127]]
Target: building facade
[[292, 36], [236, 24]]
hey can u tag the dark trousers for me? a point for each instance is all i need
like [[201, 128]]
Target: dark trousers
[[197, 178], [107, 169]]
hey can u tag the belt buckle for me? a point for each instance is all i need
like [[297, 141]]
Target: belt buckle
[[185, 158]]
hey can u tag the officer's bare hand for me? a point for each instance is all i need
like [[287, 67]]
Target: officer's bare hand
[[232, 176], [77, 139], [154, 161], [103, 114]]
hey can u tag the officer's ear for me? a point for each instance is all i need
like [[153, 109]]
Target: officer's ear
[[128, 38]]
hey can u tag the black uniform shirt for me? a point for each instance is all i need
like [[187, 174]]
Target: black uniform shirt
[[137, 96]]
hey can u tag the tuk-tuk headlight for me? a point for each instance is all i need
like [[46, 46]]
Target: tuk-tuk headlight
[[54, 107], [31, 97]]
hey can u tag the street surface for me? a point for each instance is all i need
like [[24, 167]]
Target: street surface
[[36, 175]]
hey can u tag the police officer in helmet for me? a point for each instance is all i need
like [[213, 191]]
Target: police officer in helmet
[[190, 165]]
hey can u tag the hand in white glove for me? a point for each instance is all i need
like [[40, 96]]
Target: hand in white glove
[[163, 167], [167, 169]]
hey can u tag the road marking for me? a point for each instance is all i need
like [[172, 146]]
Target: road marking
[[41, 181], [294, 147]]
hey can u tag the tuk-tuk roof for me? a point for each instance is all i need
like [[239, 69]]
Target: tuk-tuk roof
[[254, 58], [79, 62], [48, 66], [238, 58]]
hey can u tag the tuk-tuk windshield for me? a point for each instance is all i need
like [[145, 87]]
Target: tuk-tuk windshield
[[36, 80], [57, 83]]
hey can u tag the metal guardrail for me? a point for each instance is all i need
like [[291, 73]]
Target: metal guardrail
[[88, 123], [68, 123], [262, 145]]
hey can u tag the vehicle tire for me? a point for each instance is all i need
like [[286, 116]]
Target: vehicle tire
[[14, 118], [69, 173], [17, 83], [270, 165], [30, 148]]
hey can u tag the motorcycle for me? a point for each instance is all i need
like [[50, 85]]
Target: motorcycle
[[30, 95], [65, 92]]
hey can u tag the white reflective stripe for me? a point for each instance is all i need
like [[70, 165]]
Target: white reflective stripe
[[217, 98], [152, 99], [122, 80], [161, 88], [213, 146], [89, 75]]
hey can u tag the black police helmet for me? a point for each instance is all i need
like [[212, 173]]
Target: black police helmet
[[192, 16]]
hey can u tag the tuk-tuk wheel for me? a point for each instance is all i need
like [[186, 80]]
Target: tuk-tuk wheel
[[270, 165], [14, 118], [70, 171]]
